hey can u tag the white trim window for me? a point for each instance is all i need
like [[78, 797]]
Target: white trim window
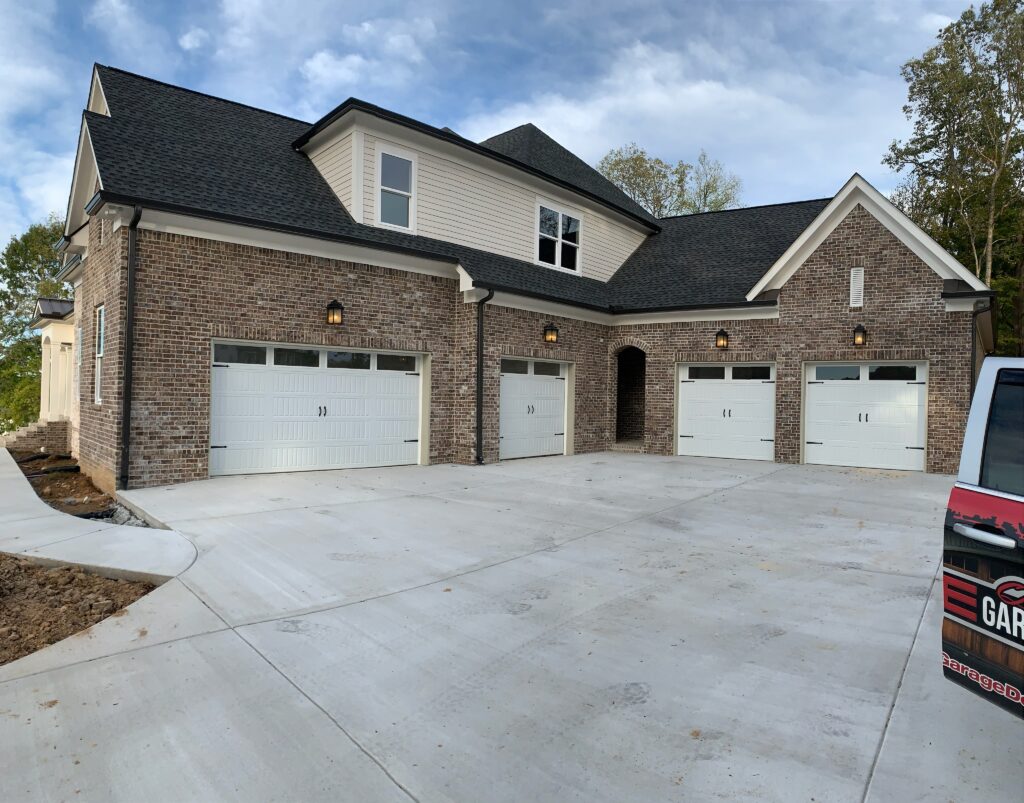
[[100, 333], [396, 189], [558, 237]]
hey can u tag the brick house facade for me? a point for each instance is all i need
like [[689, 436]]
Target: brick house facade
[[777, 279]]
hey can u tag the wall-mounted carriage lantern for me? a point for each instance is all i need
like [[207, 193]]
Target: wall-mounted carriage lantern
[[722, 339], [550, 333], [335, 313], [860, 335]]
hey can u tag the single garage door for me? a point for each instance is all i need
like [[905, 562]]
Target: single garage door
[[727, 410], [865, 414], [532, 412], [276, 408]]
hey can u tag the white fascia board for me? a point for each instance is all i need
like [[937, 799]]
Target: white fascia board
[[86, 172], [97, 98], [858, 190], [960, 304], [190, 226], [555, 309]]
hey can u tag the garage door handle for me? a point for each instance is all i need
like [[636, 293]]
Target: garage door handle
[[865, 418], [985, 537], [859, 415]]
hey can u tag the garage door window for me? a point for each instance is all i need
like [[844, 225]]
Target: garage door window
[[515, 367], [892, 373], [348, 359], [297, 358], [245, 355], [761, 372], [706, 372], [547, 369], [832, 372], [395, 362]]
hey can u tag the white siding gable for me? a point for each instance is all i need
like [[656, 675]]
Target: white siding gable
[[334, 161]]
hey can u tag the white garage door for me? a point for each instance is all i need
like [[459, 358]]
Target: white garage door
[[865, 414], [532, 413], [727, 410], [294, 409]]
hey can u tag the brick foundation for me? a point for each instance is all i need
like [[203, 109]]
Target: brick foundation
[[52, 437]]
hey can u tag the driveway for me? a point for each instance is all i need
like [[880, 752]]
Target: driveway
[[601, 627]]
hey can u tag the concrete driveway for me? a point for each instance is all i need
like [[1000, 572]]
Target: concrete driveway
[[603, 627]]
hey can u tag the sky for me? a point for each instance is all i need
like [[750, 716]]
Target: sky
[[793, 97]]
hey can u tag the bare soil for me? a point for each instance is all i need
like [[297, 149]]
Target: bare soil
[[40, 606], [57, 482]]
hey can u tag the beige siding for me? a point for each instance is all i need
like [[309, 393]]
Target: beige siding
[[459, 203], [335, 164]]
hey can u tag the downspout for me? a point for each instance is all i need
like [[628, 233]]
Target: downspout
[[974, 343], [129, 347], [480, 376]]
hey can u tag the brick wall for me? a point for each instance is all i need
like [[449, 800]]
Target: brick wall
[[192, 290], [52, 437]]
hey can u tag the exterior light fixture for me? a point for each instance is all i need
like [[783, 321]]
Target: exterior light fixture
[[860, 335], [722, 339], [550, 333], [335, 313]]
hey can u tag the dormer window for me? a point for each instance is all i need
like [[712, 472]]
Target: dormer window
[[558, 238], [397, 202]]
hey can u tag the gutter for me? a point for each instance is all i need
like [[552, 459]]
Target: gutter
[[480, 376], [129, 347]]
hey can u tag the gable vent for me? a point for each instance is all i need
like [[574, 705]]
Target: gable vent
[[856, 287]]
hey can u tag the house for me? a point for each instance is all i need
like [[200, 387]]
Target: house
[[256, 294]]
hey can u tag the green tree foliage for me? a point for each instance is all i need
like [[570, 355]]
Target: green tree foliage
[[27, 267], [664, 189], [964, 162]]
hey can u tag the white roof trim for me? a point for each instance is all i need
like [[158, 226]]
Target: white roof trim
[[79, 197], [858, 191], [97, 98]]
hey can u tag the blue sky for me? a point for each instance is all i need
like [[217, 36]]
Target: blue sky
[[791, 96]]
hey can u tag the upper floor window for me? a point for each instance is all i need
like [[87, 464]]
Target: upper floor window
[[558, 238], [397, 201]]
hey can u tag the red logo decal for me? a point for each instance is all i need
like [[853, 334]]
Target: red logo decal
[[1011, 591]]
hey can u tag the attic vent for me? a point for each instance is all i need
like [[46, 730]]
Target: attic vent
[[856, 287]]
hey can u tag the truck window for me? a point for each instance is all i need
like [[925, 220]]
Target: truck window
[[1002, 462]]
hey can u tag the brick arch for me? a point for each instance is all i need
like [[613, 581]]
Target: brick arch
[[624, 343]]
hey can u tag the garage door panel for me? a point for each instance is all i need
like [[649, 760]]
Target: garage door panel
[[865, 422], [531, 415], [731, 418], [276, 418]]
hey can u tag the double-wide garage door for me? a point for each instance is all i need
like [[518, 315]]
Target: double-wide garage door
[[276, 408], [865, 414]]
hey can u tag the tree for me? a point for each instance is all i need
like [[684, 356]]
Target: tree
[[965, 157], [27, 267], [710, 188], [664, 189]]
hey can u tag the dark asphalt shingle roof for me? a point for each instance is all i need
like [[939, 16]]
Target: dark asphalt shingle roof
[[55, 307], [710, 258], [172, 148], [531, 146]]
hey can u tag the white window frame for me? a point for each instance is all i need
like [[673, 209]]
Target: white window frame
[[100, 337], [410, 156], [562, 210]]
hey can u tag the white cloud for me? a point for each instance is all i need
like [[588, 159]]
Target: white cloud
[[194, 38], [328, 71], [785, 136], [933, 23]]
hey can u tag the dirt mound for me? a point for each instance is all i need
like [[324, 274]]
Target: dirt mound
[[40, 605]]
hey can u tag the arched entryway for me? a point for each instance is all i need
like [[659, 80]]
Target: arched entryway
[[630, 395]]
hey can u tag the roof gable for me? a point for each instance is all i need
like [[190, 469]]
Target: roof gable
[[858, 191], [531, 146]]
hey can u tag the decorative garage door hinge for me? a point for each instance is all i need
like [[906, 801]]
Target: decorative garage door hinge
[[767, 440], [917, 383], [412, 440], [916, 448], [688, 381], [815, 443], [412, 373], [221, 365], [767, 381], [218, 447], [562, 378], [557, 434], [686, 436], [816, 382]]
